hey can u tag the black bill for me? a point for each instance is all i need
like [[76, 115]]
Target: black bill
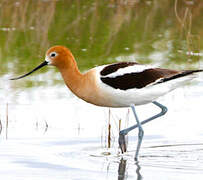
[[38, 67]]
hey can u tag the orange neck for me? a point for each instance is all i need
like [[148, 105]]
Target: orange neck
[[82, 85], [72, 78]]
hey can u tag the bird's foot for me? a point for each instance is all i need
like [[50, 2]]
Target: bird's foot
[[122, 140]]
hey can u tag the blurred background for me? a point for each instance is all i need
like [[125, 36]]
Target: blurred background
[[97, 32]]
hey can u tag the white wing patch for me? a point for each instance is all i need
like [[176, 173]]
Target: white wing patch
[[129, 69]]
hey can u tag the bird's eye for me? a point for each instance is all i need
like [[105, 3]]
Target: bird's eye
[[53, 54]]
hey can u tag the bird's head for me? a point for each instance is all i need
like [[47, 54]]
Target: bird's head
[[58, 56]]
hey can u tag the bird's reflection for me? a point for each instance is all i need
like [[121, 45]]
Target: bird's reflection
[[139, 176], [122, 170]]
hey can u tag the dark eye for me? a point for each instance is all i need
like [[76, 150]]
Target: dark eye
[[53, 54]]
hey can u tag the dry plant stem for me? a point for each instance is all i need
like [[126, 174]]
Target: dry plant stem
[[176, 13], [0, 126], [7, 121], [109, 131], [182, 21], [109, 136], [102, 138], [119, 125]]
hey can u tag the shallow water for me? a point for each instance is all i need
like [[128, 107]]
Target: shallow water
[[48, 133], [56, 140]]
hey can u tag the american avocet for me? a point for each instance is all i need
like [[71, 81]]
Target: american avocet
[[122, 84]]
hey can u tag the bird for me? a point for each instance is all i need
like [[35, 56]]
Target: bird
[[117, 85]]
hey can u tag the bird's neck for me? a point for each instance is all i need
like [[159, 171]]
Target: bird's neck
[[74, 79]]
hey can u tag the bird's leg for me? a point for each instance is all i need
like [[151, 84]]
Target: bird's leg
[[122, 141], [140, 132], [124, 132]]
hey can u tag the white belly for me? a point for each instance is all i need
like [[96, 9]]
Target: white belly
[[125, 98]]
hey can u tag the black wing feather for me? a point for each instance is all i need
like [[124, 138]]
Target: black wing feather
[[114, 67], [142, 79]]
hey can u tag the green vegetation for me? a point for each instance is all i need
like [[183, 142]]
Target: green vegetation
[[99, 32]]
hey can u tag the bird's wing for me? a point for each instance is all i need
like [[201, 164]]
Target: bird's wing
[[131, 75]]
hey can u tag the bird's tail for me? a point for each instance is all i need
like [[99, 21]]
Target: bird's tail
[[180, 74]]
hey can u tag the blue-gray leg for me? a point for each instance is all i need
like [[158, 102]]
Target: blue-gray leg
[[122, 141], [140, 133]]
